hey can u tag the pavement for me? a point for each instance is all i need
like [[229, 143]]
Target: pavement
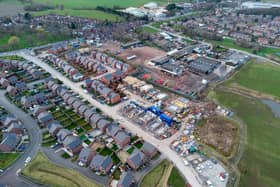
[[9, 176], [188, 172]]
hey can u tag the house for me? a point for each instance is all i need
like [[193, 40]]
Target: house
[[9, 142], [88, 113], [16, 128], [136, 159], [77, 104], [45, 118], [113, 129], [20, 86], [126, 179], [62, 134], [12, 91], [54, 128], [101, 163], [27, 101], [9, 119], [82, 109], [13, 80], [86, 156], [114, 98], [36, 74], [72, 144], [4, 83], [40, 97], [71, 101], [37, 110], [149, 150], [102, 124], [94, 119], [65, 96], [122, 139]]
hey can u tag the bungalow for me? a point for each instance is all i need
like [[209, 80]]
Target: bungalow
[[113, 129], [62, 134], [126, 179], [101, 163], [4, 83], [149, 150], [122, 139], [136, 159], [12, 91], [45, 118], [54, 128], [85, 156], [9, 142], [73, 144], [102, 124]]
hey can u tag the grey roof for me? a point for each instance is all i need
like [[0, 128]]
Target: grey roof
[[95, 118], [71, 100], [126, 179], [9, 119], [96, 161], [77, 104], [84, 154], [27, 99], [62, 134], [137, 157], [113, 129], [121, 136], [72, 142], [45, 117], [82, 109], [88, 113], [102, 123], [106, 162], [148, 147], [52, 127], [10, 140]]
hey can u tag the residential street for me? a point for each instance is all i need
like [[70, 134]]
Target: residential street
[[9, 176], [163, 147]]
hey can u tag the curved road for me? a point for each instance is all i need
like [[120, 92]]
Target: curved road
[[9, 176]]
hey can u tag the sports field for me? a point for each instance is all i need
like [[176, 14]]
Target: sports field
[[262, 77], [45, 172], [260, 164]]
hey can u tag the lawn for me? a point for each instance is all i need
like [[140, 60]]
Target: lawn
[[260, 163], [105, 151], [94, 14], [7, 159], [175, 179], [152, 179], [262, 77], [130, 150], [42, 170], [149, 30]]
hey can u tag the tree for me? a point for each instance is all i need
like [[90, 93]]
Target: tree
[[13, 41]]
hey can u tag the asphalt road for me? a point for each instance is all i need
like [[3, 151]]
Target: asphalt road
[[9, 176], [162, 146]]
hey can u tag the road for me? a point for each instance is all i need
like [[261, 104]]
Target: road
[[9, 175], [164, 148]]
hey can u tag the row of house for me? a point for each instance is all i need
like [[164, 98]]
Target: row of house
[[112, 62], [97, 86], [95, 119], [72, 72], [30, 68], [86, 63], [12, 132]]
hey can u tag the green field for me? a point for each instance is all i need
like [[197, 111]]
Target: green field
[[264, 51], [260, 163], [7, 159], [175, 179], [45, 172], [262, 77], [86, 4], [149, 30], [94, 14]]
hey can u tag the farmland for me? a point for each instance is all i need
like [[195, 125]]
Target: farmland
[[49, 174], [261, 77], [261, 161]]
